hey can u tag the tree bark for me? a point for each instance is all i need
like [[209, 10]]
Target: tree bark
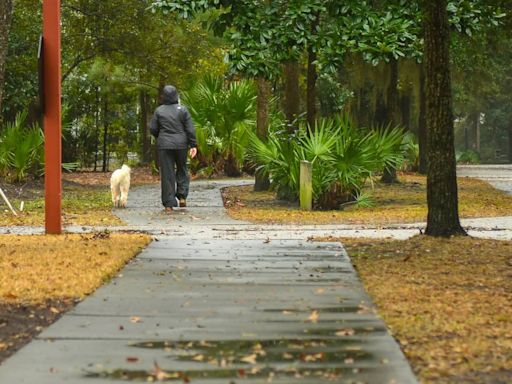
[[510, 144], [97, 128], [5, 25], [311, 89], [262, 182], [422, 123], [144, 127], [442, 199], [393, 115], [291, 94], [104, 167], [312, 77]]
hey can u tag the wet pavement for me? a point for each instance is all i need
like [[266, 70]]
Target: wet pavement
[[213, 300], [498, 175]]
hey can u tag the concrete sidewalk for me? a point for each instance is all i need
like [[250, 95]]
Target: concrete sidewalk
[[211, 302]]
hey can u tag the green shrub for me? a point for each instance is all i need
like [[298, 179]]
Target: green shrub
[[467, 157], [21, 150], [224, 113], [344, 158], [412, 152]]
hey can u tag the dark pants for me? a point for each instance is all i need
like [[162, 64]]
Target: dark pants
[[173, 175]]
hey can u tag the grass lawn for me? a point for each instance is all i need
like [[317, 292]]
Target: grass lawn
[[447, 301], [398, 203], [43, 276], [85, 199]]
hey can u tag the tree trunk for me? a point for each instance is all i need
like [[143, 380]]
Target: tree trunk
[[477, 132], [291, 94], [312, 77], [510, 144], [262, 182], [311, 89], [442, 200], [5, 25], [422, 123], [105, 136], [97, 138], [393, 115], [144, 127]]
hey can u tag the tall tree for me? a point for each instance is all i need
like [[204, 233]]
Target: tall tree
[[5, 24], [442, 199]]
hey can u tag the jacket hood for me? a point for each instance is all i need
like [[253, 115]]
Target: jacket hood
[[170, 95]]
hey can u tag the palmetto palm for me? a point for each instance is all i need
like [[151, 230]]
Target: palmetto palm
[[224, 114], [344, 157], [21, 149]]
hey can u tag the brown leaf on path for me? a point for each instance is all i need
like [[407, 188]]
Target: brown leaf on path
[[314, 316], [54, 310], [198, 358], [135, 319], [132, 359], [319, 291], [162, 375], [250, 359], [345, 332]]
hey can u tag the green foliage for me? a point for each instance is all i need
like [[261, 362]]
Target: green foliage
[[344, 158], [21, 150], [467, 157], [412, 152], [224, 114]]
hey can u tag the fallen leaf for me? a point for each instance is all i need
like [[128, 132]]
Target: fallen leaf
[[198, 358], [314, 316], [159, 373], [250, 359], [135, 319], [132, 359], [345, 332], [54, 310]]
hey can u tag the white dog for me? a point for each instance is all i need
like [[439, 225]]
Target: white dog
[[119, 186]]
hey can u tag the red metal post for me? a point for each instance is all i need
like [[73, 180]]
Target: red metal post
[[52, 116]]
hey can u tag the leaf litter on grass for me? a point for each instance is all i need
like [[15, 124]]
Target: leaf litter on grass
[[43, 276], [404, 202], [447, 301]]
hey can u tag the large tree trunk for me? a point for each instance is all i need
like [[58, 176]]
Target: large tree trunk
[[262, 182], [422, 123], [5, 25], [393, 115], [291, 93], [442, 200], [144, 127]]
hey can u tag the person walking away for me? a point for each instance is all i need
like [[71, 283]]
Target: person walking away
[[174, 131]]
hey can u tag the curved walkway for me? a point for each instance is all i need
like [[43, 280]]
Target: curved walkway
[[218, 301]]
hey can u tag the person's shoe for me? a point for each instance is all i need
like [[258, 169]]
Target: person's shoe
[[168, 209], [182, 202]]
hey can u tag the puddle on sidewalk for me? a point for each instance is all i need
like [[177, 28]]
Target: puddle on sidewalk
[[321, 359]]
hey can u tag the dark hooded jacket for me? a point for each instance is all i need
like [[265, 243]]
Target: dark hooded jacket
[[171, 124]]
